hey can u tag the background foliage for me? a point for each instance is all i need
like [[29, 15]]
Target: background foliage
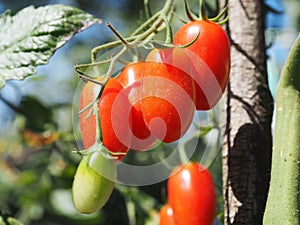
[[36, 132]]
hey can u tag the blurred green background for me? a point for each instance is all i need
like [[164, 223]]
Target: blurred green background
[[36, 130]]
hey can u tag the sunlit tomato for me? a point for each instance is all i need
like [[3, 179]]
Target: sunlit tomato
[[167, 100], [166, 216], [212, 67], [93, 182], [131, 79], [115, 138], [162, 96], [115, 117], [191, 195], [180, 58]]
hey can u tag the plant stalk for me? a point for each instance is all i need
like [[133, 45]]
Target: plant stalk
[[283, 199]]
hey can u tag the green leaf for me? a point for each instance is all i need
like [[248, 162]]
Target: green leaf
[[30, 37]]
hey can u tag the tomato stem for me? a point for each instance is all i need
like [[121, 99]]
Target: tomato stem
[[142, 35], [86, 108], [169, 34], [147, 9], [114, 30], [202, 14], [222, 13], [87, 78], [190, 15], [98, 145], [98, 125], [155, 25], [179, 18], [146, 24], [223, 21]]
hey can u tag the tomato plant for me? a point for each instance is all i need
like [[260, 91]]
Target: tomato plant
[[212, 65], [191, 195], [152, 99], [93, 182], [166, 216], [115, 138]]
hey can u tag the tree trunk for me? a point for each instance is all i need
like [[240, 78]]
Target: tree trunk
[[249, 106]]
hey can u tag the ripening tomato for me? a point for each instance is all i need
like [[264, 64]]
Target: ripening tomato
[[211, 67], [115, 118], [114, 136], [93, 182], [131, 79], [88, 95], [191, 195], [167, 100], [166, 216], [178, 57], [162, 96]]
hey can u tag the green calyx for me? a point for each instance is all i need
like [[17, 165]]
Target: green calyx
[[98, 146], [168, 46], [203, 16]]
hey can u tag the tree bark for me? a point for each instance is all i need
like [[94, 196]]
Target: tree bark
[[248, 110]]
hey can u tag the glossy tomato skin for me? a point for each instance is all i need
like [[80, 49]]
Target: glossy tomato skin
[[131, 79], [178, 57], [115, 118], [191, 195], [162, 96], [112, 141], [166, 216], [167, 100], [213, 48]]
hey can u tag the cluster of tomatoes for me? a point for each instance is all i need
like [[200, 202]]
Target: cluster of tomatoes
[[191, 197], [191, 193], [148, 101], [154, 100]]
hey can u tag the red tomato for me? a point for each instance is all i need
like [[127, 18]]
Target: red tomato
[[115, 117], [211, 67], [88, 95], [112, 141], [162, 96], [131, 79], [167, 100], [178, 57], [191, 195], [166, 216]]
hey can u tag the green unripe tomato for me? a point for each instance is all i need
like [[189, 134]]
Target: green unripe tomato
[[93, 182]]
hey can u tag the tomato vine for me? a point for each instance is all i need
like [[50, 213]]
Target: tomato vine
[[153, 98]]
